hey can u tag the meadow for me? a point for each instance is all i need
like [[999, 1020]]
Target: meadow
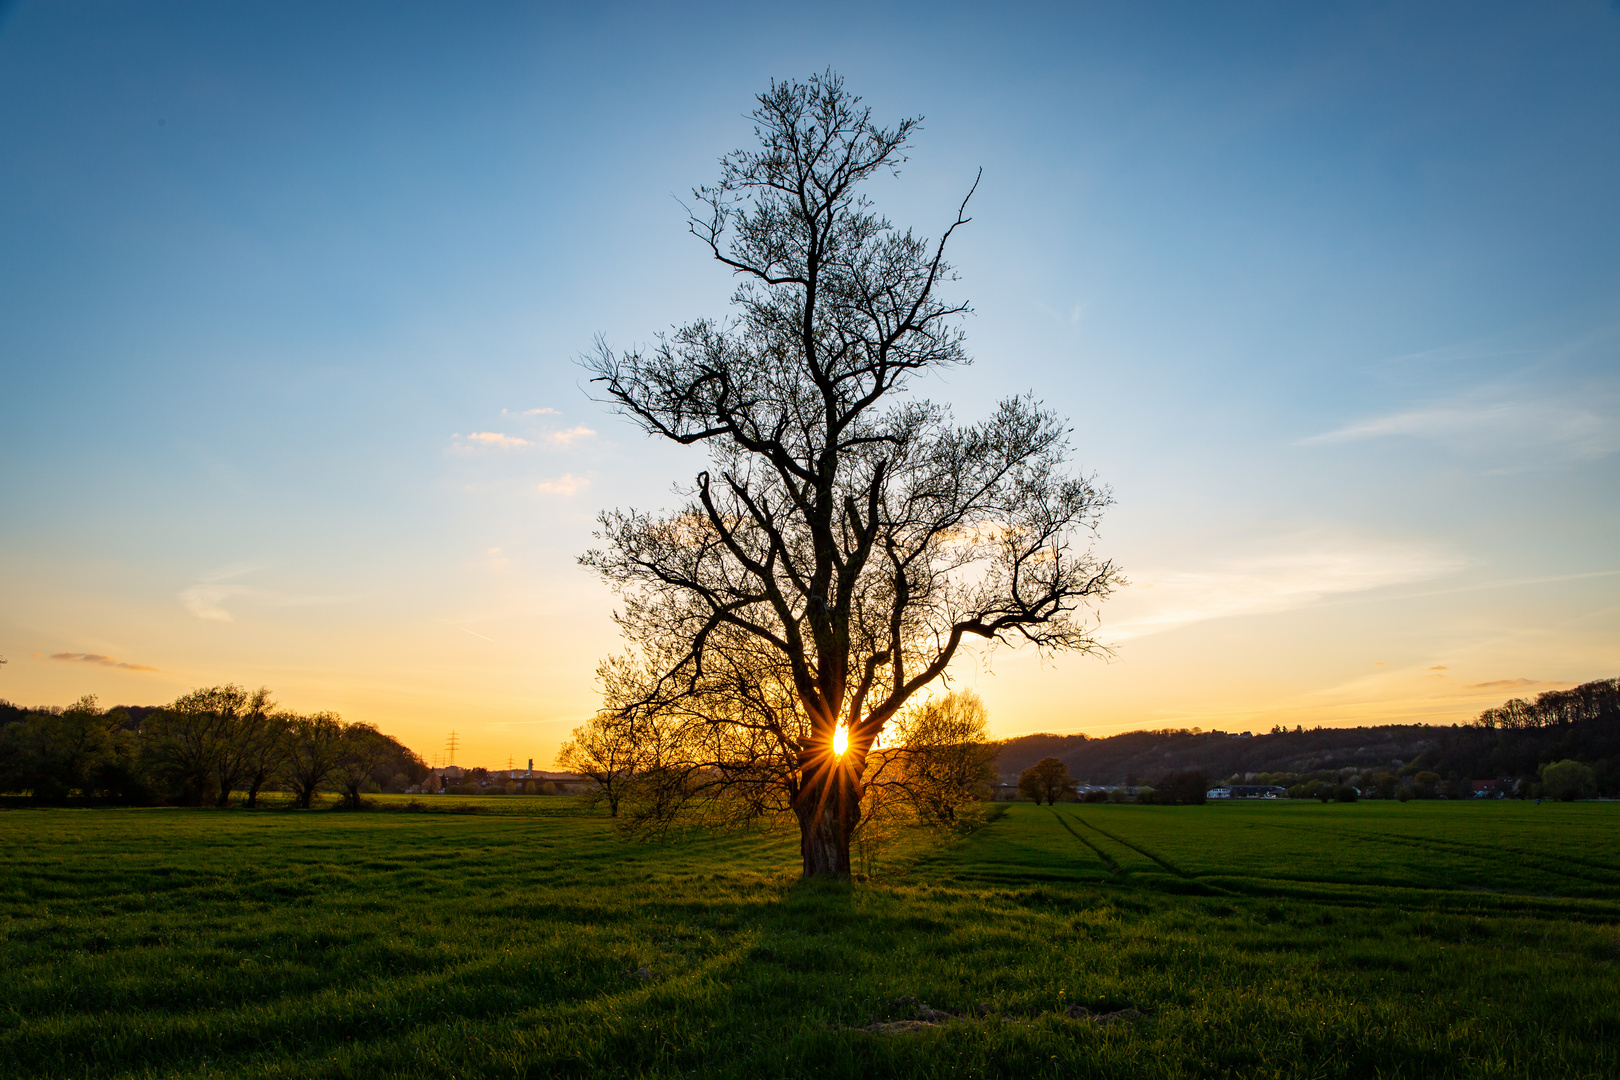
[[529, 939]]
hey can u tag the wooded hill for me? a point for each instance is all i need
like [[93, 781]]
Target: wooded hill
[[1512, 740]]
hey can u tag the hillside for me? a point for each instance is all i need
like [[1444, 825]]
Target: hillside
[[1510, 741]]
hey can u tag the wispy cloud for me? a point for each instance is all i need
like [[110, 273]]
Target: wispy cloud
[[102, 660], [206, 599], [1274, 582], [1531, 432], [539, 412], [1513, 684], [568, 437], [566, 484]]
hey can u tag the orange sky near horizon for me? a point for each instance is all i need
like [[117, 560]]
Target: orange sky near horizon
[[514, 688], [292, 299]]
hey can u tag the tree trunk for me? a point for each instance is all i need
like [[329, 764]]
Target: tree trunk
[[827, 822]]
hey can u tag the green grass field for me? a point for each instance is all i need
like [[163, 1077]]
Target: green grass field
[[1253, 940]]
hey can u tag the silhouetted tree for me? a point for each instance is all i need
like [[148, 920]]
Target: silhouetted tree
[[1186, 787], [361, 749], [264, 750], [235, 721], [1029, 785], [605, 751], [1045, 781], [183, 744], [208, 742], [314, 744], [847, 540]]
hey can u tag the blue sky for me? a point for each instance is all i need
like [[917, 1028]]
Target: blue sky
[[1330, 293]]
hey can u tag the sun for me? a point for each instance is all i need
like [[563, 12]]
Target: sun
[[840, 740]]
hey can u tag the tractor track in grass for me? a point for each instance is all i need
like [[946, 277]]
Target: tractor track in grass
[[1418, 898], [1108, 860], [1184, 875], [1602, 875]]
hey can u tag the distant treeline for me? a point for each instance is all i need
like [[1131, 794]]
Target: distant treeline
[[1511, 742], [1588, 703], [207, 748]]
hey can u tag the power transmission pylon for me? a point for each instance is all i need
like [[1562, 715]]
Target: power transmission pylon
[[450, 748]]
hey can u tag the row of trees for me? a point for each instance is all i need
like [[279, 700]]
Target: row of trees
[[203, 749]]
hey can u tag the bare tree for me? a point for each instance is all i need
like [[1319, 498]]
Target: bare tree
[[942, 758], [314, 744], [846, 542], [934, 762], [604, 751]]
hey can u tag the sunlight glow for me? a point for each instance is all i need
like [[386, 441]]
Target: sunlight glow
[[840, 740]]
